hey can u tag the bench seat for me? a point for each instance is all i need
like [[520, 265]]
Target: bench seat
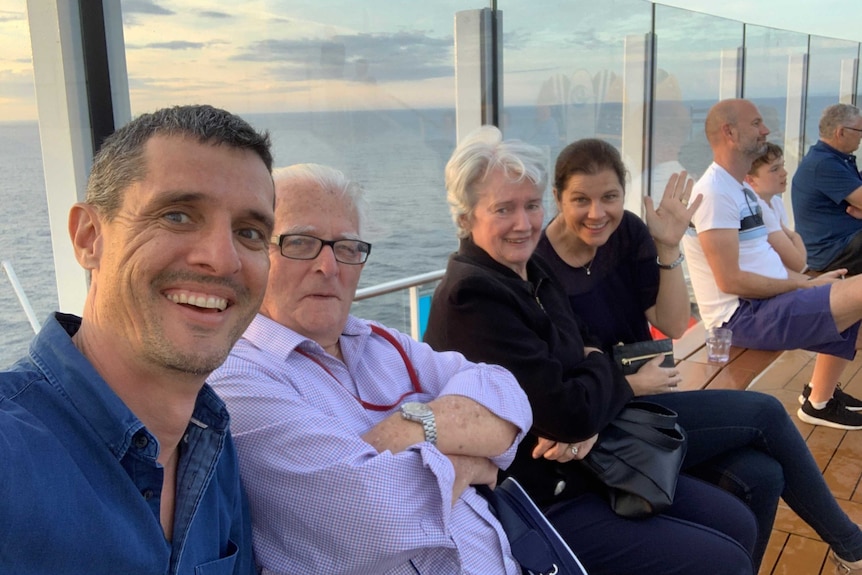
[[744, 366]]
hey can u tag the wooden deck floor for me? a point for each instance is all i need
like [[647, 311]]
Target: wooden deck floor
[[794, 548]]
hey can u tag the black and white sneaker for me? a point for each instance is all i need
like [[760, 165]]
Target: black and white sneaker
[[835, 414], [848, 400]]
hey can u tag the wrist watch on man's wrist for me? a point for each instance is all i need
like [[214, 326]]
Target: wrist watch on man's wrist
[[421, 413]]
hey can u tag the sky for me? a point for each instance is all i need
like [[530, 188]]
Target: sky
[[831, 18], [265, 55]]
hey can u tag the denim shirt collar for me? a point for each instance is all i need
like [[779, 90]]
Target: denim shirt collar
[[72, 374], [66, 368]]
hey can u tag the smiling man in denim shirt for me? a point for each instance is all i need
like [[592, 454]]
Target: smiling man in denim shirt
[[115, 457]]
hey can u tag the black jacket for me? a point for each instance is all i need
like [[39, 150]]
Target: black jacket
[[487, 312]]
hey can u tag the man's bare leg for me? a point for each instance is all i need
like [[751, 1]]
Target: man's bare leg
[[827, 372]]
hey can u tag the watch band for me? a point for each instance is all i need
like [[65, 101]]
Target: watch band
[[422, 414], [430, 427]]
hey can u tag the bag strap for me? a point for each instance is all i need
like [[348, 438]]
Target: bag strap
[[411, 371], [408, 365], [668, 439], [646, 413], [530, 550]]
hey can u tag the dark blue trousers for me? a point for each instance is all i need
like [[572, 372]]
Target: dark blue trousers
[[746, 443], [706, 530]]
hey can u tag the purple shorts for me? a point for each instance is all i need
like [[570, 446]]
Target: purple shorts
[[800, 319]]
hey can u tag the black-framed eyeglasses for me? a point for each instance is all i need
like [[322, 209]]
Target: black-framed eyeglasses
[[305, 247], [854, 129]]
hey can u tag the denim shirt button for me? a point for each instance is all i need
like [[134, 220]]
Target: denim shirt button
[[141, 441], [147, 493]]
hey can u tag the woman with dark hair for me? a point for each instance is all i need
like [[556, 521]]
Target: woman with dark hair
[[499, 303], [620, 275]]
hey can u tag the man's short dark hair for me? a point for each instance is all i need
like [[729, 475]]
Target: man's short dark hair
[[120, 163], [772, 152]]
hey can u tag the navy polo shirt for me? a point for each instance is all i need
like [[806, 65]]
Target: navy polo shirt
[[823, 179]]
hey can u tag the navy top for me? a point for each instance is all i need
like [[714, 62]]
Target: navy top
[[622, 284], [80, 486], [823, 179]]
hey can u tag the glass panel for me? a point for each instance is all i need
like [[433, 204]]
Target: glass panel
[[770, 63], [25, 242], [858, 96], [827, 58], [368, 91], [774, 81], [695, 67], [563, 76]]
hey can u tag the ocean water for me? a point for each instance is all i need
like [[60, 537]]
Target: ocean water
[[25, 238], [398, 157]]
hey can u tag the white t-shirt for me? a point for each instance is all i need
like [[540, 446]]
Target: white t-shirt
[[729, 204], [777, 205]]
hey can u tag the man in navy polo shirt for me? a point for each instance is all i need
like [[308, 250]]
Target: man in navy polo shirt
[[827, 194]]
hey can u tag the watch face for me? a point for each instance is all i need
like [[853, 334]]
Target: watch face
[[415, 408]]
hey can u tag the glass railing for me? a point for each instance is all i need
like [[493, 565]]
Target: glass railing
[[341, 83], [25, 234], [419, 291]]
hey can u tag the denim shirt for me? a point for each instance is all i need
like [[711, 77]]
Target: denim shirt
[[80, 486]]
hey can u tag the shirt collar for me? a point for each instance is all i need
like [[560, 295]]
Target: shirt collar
[[826, 147], [276, 339], [66, 369], [730, 181]]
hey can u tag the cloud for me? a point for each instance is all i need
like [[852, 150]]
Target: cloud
[[17, 85], [390, 57], [175, 45], [11, 16], [145, 7], [215, 14]]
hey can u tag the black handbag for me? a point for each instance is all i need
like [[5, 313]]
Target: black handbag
[[535, 544], [631, 356], [638, 457]]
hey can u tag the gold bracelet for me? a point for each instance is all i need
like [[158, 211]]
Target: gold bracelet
[[670, 266]]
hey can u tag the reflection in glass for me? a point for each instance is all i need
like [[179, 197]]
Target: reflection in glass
[[563, 76], [774, 70], [691, 58], [827, 58]]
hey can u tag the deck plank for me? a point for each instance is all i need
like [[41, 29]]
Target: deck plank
[[794, 548]]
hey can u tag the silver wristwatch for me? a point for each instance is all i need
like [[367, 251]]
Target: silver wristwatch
[[421, 413]]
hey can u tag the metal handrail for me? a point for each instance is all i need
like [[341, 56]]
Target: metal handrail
[[365, 293], [22, 297], [412, 283], [398, 285]]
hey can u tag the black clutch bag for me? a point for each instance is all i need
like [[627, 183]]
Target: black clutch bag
[[631, 356]]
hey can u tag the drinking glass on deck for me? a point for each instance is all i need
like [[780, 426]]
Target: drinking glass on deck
[[718, 344]]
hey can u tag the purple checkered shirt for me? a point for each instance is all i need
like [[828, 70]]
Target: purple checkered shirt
[[325, 501]]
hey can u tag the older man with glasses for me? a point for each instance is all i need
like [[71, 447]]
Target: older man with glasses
[[827, 194], [357, 444]]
